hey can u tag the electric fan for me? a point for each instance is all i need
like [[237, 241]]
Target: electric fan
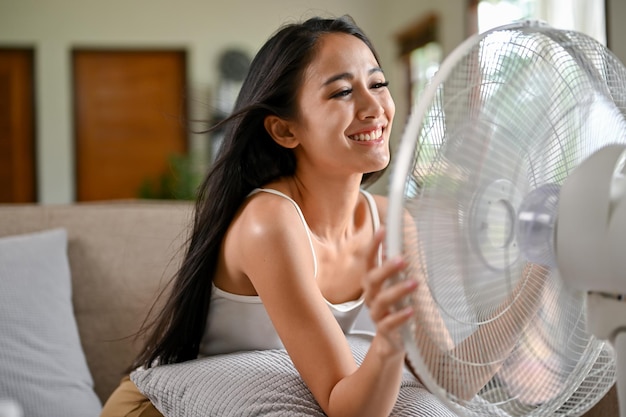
[[507, 199]]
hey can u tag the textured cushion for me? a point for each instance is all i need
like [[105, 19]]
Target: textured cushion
[[42, 365], [258, 383]]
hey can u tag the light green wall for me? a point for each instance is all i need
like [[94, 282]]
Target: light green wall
[[204, 28]]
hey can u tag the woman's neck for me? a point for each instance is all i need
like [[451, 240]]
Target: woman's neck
[[330, 208]]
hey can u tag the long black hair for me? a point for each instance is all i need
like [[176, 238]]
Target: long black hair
[[247, 159]]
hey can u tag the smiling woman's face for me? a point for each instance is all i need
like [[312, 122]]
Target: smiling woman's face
[[345, 110]]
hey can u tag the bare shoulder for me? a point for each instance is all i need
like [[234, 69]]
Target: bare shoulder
[[268, 228], [265, 213]]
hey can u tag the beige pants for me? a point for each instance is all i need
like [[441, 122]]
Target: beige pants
[[127, 401]]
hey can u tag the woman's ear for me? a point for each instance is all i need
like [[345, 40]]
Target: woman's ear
[[280, 130]]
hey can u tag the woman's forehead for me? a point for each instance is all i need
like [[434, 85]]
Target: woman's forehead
[[337, 53]]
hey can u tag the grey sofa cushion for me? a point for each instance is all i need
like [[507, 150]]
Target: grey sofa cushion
[[42, 364], [258, 383]]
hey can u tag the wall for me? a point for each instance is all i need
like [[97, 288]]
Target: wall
[[204, 28]]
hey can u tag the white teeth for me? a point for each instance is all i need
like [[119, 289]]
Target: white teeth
[[376, 134]]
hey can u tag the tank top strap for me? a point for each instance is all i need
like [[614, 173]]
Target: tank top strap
[[306, 226]]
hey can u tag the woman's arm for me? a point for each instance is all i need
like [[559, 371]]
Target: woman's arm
[[275, 255]]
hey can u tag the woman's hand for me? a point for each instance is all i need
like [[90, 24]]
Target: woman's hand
[[383, 295]]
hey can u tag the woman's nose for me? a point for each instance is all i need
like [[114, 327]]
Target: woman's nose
[[369, 107]]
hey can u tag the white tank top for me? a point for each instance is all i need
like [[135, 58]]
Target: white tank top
[[240, 322]]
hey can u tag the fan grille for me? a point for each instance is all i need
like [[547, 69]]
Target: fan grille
[[516, 111]]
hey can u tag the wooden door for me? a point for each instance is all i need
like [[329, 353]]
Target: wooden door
[[129, 111], [17, 127]]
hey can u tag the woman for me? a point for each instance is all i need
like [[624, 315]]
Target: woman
[[283, 233]]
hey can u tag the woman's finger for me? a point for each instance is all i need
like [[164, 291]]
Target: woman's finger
[[388, 300], [375, 279], [393, 321]]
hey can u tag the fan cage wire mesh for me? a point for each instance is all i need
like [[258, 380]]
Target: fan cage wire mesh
[[509, 119]]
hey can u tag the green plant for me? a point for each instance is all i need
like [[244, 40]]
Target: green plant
[[179, 182]]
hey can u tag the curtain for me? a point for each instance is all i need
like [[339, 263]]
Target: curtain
[[586, 16]]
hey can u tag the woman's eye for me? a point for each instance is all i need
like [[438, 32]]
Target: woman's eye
[[342, 93], [381, 84]]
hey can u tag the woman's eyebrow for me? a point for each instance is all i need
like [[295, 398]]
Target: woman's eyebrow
[[342, 76], [349, 76]]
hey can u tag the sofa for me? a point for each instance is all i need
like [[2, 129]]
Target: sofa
[[120, 255]]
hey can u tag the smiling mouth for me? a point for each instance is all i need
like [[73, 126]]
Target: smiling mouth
[[368, 136]]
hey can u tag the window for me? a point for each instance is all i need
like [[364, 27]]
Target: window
[[586, 16]]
